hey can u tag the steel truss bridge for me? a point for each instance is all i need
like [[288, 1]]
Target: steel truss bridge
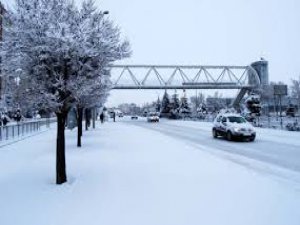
[[183, 77], [129, 77]]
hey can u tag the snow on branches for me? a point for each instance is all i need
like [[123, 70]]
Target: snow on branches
[[62, 52]]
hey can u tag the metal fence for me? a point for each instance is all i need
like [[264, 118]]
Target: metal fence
[[277, 122], [21, 129]]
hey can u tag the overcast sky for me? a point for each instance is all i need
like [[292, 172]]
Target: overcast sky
[[231, 32]]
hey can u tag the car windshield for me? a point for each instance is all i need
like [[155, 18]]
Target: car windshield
[[152, 114], [236, 119]]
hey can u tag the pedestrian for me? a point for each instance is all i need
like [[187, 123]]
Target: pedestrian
[[4, 120], [114, 116], [18, 116], [102, 117]]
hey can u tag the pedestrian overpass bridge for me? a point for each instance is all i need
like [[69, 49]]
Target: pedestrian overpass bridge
[[244, 78], [183, 77]]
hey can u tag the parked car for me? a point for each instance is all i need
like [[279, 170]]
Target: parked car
[[134, 117], [233, 126], [153, 117]]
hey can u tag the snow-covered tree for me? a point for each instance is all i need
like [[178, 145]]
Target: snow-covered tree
[[53, 47], [158, 105], [175, 101], [295, 90], [253, 106], [89, 94], [197, 101], [165, 104], [174, 106], [185, 109]]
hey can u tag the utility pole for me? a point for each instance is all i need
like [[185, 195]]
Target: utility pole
[[280, 110]]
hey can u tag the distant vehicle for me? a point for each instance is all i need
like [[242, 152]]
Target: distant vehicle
[[233, 126], [134, 117], [115, 112], [290, 111], [145, 113], [153, 117]]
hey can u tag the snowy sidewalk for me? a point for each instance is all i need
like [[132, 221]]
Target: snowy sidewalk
[[127, 175]]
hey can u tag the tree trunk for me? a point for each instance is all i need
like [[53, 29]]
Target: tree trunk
[[61, 176], [86, 121], [94, 118], [79, 125]]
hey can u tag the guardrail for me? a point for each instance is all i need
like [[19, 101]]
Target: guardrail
[[24, 128]]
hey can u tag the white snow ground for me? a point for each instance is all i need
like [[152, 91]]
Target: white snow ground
[[134, 173]]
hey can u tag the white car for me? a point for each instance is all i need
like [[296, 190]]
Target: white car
[[153, 117], [233, 126]]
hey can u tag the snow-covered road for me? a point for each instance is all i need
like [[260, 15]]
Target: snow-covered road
[[275, 147], [167, 173]]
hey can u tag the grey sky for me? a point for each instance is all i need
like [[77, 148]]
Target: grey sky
[[231, 32]]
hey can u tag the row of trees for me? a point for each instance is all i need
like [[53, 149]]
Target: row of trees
[[173, 107], [60, 53], [168, 106]]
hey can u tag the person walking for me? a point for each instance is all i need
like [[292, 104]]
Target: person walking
[[114, 116], [102, 117], [4, 120], [18, 116]]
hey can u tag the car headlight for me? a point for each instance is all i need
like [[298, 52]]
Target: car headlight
[[237, 129]]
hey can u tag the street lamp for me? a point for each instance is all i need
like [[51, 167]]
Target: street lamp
[[17, 80], [106, 12]]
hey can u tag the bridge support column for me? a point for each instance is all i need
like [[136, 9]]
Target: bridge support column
[[262, 69], [239, 97]]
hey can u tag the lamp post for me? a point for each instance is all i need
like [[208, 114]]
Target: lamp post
[[93, 110], [17, 82]]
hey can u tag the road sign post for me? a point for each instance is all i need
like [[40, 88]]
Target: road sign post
[[280, 90]]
